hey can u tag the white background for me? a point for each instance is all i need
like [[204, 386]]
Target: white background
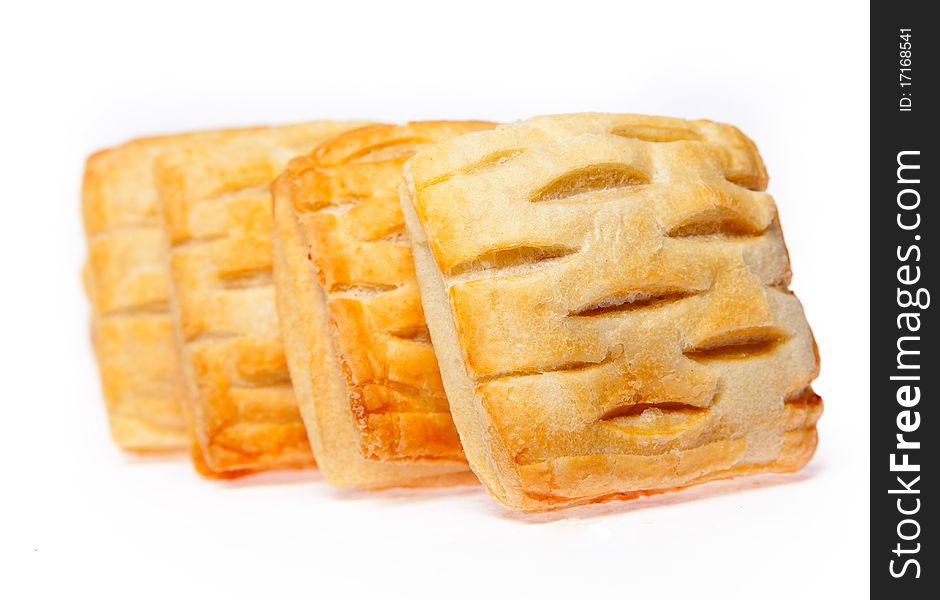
[[79, 518]]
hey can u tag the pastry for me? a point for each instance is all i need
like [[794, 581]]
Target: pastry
[[358, 348], [609, 301], [217, 217], [126, 282]]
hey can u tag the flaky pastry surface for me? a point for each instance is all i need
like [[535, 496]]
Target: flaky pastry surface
[[375, 405], [126, 281], [217, 217], [608, 297]]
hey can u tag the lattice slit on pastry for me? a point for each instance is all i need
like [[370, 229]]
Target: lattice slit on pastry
[[357, 344], [609, 306], [216, 211]]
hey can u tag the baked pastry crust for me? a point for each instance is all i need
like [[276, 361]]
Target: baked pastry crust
[[608, 299], [359, 352], [126, 281], [217, 217]]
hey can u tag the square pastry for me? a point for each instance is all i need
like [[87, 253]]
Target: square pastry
[[608, 299], [126, 281], [358, 348], [217, 216]]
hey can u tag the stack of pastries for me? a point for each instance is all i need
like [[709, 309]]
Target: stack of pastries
[[569, 309]]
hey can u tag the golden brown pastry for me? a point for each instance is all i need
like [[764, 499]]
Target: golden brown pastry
[[126, 281], [217, 216], [358, 348], [608, 299]]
